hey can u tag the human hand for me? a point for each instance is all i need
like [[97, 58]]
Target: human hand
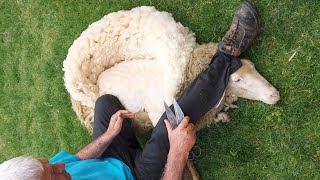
[[116, 121], [183, 137]]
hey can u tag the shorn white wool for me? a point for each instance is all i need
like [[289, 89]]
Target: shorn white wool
[[153, 50]]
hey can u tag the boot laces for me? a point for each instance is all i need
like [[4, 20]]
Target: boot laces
[[231, 38]]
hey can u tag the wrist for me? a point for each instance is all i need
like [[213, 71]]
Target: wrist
[[178, 154], [109, 135]]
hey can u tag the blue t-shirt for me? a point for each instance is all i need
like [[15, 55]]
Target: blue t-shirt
[[93, 169]]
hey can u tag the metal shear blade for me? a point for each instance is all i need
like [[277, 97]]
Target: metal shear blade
[[178, 111], [176, 118]]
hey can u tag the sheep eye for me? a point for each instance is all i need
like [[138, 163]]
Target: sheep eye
[[238, 80]]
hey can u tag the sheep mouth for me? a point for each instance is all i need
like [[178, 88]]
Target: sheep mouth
[[271, 100]]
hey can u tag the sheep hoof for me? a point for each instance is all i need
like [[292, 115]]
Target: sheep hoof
[[233, 106], [226, 107], [222, 116]]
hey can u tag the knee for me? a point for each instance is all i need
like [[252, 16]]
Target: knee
[[106, 99], [106, 105]]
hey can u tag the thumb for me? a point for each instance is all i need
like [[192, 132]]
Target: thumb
[[168, 125]]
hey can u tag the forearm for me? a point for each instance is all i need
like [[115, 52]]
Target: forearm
[[176, 163], [96, 147]]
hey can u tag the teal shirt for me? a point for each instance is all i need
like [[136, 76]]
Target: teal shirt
[[92, 169]]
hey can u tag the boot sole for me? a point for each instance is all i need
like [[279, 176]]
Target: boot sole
[[254, 12]]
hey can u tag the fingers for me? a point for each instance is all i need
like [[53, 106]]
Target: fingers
[[185, 121], [122, 112], [168, 125], [128, 115], [125, 114]]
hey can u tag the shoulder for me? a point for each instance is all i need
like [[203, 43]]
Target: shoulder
[[63, 156]]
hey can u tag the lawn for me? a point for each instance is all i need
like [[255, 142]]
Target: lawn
[[261, 142]]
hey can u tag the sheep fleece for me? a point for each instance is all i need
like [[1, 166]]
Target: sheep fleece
[[142, 56]]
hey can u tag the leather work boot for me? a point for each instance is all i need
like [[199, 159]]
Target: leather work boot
[[244, 28]]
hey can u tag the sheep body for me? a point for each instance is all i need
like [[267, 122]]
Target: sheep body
[[199, 60], [143, 57]]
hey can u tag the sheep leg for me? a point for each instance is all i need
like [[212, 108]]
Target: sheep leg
[[141, 123], [193, 171]]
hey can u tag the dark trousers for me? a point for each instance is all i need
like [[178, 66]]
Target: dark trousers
[[202, 94]]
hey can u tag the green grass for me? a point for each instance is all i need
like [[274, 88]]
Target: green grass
[[261, 142]]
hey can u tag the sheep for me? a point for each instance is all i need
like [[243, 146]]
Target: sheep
[[137, 47], [131, 48], [255, 88]]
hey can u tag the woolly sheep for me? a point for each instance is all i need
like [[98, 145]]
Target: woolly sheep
[[201, 56], [155, 59], [144, 57]]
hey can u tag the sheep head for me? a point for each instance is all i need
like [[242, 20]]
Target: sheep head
[[247, 83]]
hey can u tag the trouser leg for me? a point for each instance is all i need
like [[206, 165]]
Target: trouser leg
[[125, 145], [203, 93]]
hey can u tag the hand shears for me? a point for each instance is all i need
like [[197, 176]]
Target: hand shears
[[174, 118]]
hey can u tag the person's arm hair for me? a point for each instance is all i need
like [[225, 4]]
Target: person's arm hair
[[181, 141], [175, 166], [98, 146]]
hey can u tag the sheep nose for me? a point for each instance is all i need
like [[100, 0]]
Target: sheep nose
[[275, 94]]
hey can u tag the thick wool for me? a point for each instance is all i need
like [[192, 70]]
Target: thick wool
[[143, 34], [142, 53]]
